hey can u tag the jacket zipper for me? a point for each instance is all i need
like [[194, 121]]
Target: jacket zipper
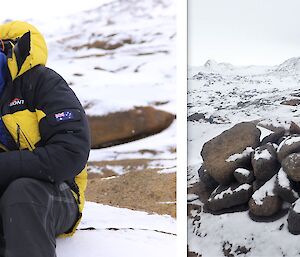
[[19, 131]]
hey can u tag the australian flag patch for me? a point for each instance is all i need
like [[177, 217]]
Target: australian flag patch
[[65, 115], [62, 116]]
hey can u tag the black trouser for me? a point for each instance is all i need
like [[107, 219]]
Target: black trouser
[[33, 213]]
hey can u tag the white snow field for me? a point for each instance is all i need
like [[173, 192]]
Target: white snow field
[[136, 68], [226, 94], [120, 232]]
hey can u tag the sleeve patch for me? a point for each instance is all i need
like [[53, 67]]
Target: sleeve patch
[[64, 116]]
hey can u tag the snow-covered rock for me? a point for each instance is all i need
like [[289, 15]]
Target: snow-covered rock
[[244, 175], [224, 197], [264, 202], [284, 189], [288, 146], [230, 150], [264, 162]]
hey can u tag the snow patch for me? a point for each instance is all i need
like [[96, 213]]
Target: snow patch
[[264, 132], [297, 206], [284, 182], [242, 171], [266, 190], [264, 154], [229, 191], [237, 156]]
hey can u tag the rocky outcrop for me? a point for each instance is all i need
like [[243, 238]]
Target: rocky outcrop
[[126, 126], [225, 153], [263, 178]]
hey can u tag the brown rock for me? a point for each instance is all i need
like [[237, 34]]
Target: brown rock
[[271, 205], [290, 145], [294, 128], [217, 151], [122, 127], [291, 165], [264, 162], [291, 102]]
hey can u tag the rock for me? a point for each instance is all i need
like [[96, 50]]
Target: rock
[[126, 126], [291, 102], [271, 205], [228, 196], [294, 218], [230, 150], [283, 188], [264, 202], [244, 175], [291, 166], [288, 146], [274, 137], [264, 162], [294, 128], [206, 179], [196, 117]]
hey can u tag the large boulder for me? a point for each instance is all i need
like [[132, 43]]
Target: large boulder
[[228, 196], [288, 146], [291, 165], [294, 218], [264, 202], [230, 150], [264, 162], [283, 188], [121, 127]]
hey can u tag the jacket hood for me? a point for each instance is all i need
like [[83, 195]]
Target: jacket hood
[[25, 47]]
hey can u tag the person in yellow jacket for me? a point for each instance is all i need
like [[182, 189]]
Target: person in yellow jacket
[[45, 144]]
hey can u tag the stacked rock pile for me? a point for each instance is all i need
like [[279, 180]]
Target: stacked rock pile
[[239, 169]]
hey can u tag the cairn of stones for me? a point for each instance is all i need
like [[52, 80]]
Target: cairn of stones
[[242, 171]]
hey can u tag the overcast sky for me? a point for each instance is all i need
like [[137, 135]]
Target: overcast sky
[[243, 32]]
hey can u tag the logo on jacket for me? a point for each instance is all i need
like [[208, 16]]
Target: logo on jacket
[[16, 101], [66, 115]]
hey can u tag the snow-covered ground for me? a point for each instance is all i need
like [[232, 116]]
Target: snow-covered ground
[[117, 55], [225, 95], [110, 232]]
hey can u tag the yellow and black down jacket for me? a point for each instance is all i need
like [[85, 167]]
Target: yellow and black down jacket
[[43, 116]]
